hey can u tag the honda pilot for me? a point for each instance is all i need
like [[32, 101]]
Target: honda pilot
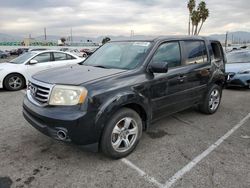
[[108, 100]]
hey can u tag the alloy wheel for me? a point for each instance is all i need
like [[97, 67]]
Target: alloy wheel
[[214, 100], [124, 134], [15, 82]]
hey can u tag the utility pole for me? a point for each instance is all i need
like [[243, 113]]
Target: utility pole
[[132, 33], [71, 36], [226, 42], [45, 34], [189, 26]]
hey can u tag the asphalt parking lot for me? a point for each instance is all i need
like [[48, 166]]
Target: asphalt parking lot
[[170, 154]]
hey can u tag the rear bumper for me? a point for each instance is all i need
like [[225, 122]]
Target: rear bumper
[[77, 124]]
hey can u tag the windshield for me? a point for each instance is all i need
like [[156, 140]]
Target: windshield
[[240, 57], [22, 58], [119, 55]]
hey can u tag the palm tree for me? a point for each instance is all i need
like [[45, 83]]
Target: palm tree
[[195, 17], [204, 14], [190, 6]]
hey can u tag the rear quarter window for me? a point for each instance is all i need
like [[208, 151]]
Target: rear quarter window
[[69, 57]]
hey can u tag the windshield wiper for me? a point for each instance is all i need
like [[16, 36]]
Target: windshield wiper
[[101, 66], [98, 66]]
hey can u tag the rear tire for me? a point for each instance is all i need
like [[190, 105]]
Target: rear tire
[[14, 82], [212, 100], [121, 134]]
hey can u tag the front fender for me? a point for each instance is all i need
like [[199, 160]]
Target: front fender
[[114, 103]]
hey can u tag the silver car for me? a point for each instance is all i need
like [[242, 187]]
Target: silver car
[[238, 68]]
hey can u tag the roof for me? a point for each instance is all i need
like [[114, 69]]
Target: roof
[[168, 37], [44, 51]]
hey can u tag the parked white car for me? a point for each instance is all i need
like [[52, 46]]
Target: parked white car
[[15, 74], [74, 51]]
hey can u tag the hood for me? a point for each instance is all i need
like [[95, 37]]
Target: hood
[[7, 65], [237, 67], [74, 75]]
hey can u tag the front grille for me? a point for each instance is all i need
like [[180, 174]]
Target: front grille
[[39, 92]]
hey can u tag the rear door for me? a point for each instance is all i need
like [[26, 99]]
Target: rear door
[[197, 69], [44, 62]]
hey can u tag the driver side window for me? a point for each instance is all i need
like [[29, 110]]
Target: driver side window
[[168, 52], [42, 58]]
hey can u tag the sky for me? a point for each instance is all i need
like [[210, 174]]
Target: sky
[[117, 17]]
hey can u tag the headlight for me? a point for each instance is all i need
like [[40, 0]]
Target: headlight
[[245, 71], [67, 95]]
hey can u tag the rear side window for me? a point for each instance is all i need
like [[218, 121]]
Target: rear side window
[[168, 52], [59, 56], [196, 52]]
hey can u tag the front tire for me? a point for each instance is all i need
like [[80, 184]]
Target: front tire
[[14, 82], [212, 100], [121, 134]]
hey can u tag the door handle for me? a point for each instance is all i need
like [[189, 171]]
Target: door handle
[[181, 78]]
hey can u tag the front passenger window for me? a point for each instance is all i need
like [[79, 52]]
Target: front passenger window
[[42, 58], [168, 52]]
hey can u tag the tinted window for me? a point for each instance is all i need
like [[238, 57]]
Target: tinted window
[[168, 52], [59, 56], [44, 57], [196, 52]]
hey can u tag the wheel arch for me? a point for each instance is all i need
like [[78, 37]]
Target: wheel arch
[[25, 80], [128, 100]]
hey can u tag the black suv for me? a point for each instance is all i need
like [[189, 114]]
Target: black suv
[[107, 101]]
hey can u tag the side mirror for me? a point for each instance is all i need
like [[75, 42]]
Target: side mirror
[[158, 67], [33, 61]]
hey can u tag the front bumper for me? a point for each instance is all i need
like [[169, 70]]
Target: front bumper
[[240, 80], [76, 123]]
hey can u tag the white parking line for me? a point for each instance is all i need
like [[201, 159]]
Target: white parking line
[[197, 159], [142, 173]]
